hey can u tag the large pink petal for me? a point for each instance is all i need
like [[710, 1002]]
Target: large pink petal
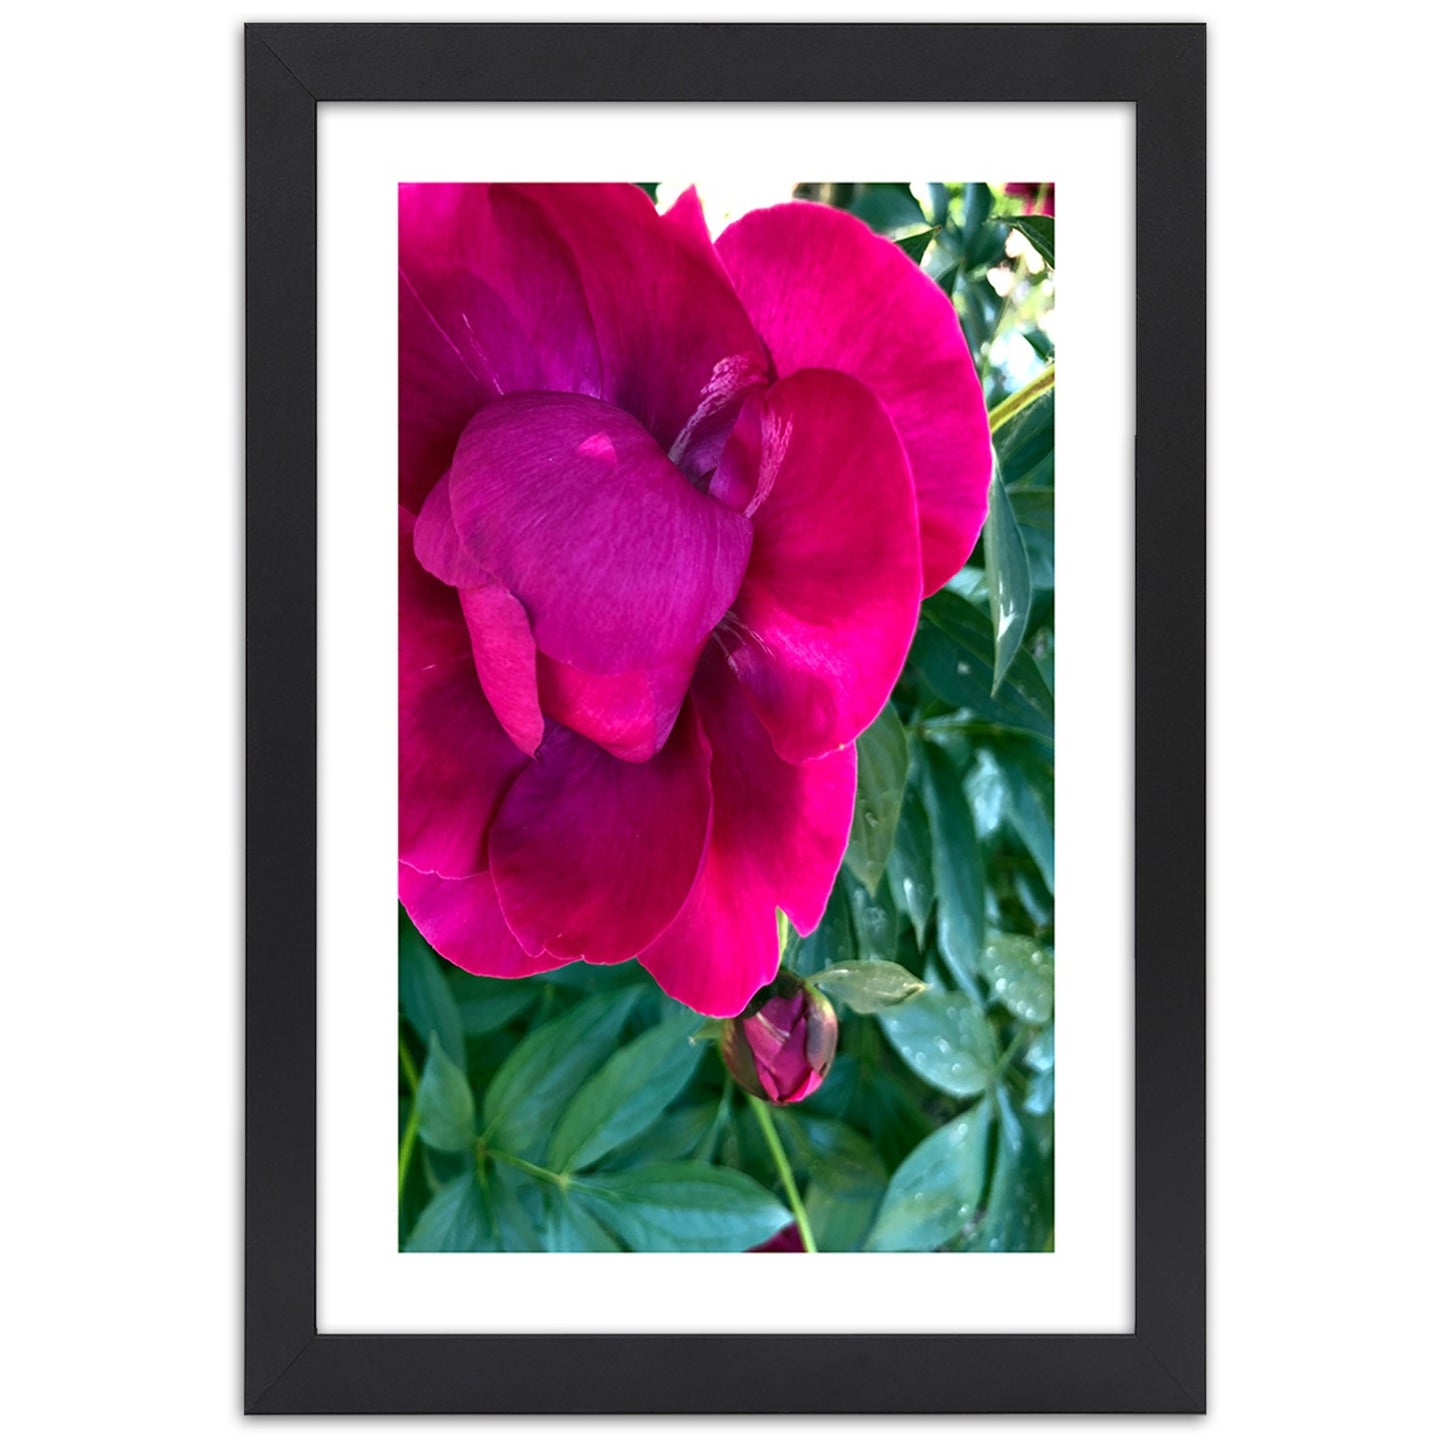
[[778, 835], [455, 761], [823, 290], [629, 713], [438, 394], [570, 505], [501, 288], [829, 604], [593, 857], [678, 350], [459, 917]]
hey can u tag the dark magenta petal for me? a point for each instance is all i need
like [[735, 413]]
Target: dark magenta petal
[[500, 287], [673, 336], [438, 396], [787, 1240], [628, 713], [570, 505], [455, 760], [592, 856], [778, 835], [829, 604], [824, 291], [439, 547], [739, 470], [459, 917]]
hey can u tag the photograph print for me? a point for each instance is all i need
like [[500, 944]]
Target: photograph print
[[725, 707]]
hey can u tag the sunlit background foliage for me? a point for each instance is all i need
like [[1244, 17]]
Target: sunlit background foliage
[[583, 1110]]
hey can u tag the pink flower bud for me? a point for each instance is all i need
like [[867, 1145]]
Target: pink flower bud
[[781, 1046], [786, 1241]]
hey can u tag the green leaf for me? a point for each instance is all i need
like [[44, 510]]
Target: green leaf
[[626, 1095], [987, 790], [885, 207], [882, 776], [486, 1004], [1030, 781], [1038, 231], [875, 919], [831, 941], [1033, 509], [1020, 1214], [569, 1229], [519, 1205], [1026, 439], [444, 1106], [1020, 972], [1040, 1053], [954, 652], [947, 276], [914, 246], [526, 1097], [846, 1178], [945, 1039], [934, 1193], [910, 863], [868, 988], [458, 1220], [982, 308], [983, 238], [595, 977], [677, 1134], [958, 874], [1042, 344], [1039, 1096], [1006, 569], [688, 1206], [426, 1001]]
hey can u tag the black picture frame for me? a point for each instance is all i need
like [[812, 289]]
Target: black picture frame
[[292, 1369]]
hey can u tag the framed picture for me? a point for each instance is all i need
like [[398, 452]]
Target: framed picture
[[733, 624]]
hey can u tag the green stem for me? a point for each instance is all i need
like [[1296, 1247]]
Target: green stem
[[1024, 1035], [407, 1067], [950, 727], [408, 1143], [413, 1121], [527, 1167], [790, 1185], [1011, 406]]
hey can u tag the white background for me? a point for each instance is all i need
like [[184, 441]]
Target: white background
[[122, 669], [364, 1284]]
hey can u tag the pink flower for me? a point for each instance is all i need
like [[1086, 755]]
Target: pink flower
[[781, 1047], [1040, 195], [667, 513]]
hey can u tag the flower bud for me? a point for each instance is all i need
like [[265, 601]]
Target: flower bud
[[781, 1046], [788, 1240]]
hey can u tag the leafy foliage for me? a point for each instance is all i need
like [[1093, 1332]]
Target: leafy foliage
[[581, 1110]]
